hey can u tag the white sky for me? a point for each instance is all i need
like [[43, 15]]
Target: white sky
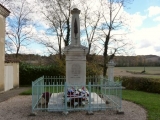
[[146, 26], [143, 19]]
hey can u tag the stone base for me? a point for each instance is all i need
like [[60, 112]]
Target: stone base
[[96, 103], [56, 103]]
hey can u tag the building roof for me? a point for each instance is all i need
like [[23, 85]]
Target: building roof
[[4, 11], [11, 60]]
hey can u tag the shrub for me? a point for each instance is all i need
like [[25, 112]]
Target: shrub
[[29, 73], [93, 69], [141, 84]]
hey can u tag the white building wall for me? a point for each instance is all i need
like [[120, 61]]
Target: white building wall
[[8, 77]]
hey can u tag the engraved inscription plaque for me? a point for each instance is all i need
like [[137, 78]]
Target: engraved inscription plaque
[[76, 69]]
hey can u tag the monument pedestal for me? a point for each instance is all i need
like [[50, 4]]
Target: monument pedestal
[[75, 65]]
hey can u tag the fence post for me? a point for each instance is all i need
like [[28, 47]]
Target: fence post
[[32, 113], [90, 112], [32, 95], [101, 86], [65, 99], [120, 110]]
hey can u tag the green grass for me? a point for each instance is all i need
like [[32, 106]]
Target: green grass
[[47, 89], [56, 90], [28, 92], [150, 101]]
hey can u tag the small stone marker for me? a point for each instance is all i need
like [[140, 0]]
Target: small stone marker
[[110, 70]]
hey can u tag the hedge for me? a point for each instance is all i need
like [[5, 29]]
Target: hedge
[[29, 73], [141, 84]]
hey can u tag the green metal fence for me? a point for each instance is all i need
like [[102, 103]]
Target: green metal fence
[[54, 94]]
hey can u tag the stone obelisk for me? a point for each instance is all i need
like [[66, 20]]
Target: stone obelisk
[[75, 54]]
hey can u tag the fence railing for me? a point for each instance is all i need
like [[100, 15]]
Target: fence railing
[[54, 94]]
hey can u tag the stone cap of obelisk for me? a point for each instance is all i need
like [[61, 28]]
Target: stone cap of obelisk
[[75, 34], [75, 27], [4, 11]]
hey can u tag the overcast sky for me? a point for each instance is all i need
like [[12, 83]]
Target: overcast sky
[[146, 26], [144, 16]]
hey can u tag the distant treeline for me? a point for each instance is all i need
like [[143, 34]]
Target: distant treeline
[[121, 61], [148, 60]]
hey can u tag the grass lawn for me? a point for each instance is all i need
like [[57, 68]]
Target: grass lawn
[[150, 101], [55, 90], [28, 92]]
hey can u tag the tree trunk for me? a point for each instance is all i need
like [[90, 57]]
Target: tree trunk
[[105, 54], [60, 49], [89, 49], [17, 52]]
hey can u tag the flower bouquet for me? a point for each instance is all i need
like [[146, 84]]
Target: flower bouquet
[[77, 96]]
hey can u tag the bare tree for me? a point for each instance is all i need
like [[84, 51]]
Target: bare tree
[[90, 20], [57, 15], [19, 29], [4, 2], [113, 29]]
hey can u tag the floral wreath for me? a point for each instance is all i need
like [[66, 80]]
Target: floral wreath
[[77, 96]]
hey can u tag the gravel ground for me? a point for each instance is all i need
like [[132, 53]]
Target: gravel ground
[[19, 108], [11, 93]]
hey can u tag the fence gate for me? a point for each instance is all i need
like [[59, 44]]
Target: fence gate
[[8, 78]]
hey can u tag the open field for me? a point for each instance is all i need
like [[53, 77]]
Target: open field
[[151, 72]]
